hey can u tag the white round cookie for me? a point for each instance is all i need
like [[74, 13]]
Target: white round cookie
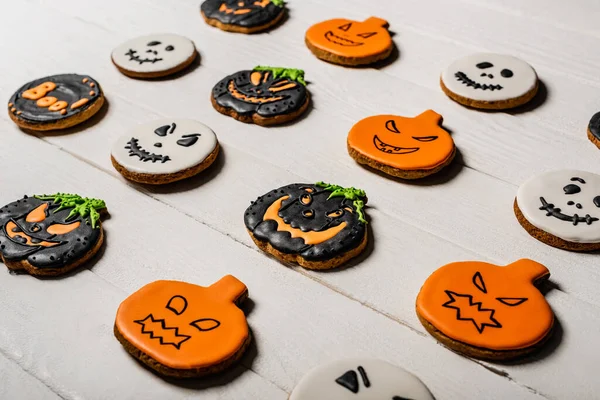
[[165, 146], [153, 53], [565, 204], [360, 379], [489, 77]]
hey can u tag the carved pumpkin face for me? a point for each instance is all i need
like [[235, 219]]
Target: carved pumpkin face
[[306, 219], [245, 13], [349, 38], [488, 306], [46, 233], [403, 143], [185, 326]]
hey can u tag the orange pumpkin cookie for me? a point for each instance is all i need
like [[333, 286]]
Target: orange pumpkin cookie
[[350, 43], [183, 330], [487, 311], [408, 148]]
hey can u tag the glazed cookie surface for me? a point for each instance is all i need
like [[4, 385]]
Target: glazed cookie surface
[[594, 129], [360, 379], [408, 148], [264, 95], [55, 102], [490, 81], [318, 226], [154, 56], [243, 16], [50, 234], [165, 151], [350, 43], [184, 330], [562, 209], [487, 311]]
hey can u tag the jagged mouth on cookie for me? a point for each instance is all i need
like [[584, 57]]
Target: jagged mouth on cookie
[[237, 94], [136, 150], [463, 78], [333, 38], [16, 234], [157, 329], [133, 56], [555, 212], [389, 149]]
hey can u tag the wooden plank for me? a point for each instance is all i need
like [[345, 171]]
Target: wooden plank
[[18, 383]]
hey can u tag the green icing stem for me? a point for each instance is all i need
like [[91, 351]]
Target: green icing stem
[[289, 73], [82, 206], [356, 195], [278, 3]]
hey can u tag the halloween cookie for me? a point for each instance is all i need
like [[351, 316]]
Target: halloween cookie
[[594, 129], [561, 209], [243, 16], [154, 56], [490, 81], [183, 330], [408, 148], [165, 151], [264, 96], [350, 43], [55, 102], [360, 379], [319, 226], [50, 235], [487, 311]]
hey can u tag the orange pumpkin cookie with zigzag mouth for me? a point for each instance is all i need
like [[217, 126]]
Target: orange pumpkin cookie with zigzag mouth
[[487, 311]]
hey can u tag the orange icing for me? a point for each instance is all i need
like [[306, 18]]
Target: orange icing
[[241, 96], [38, 214], [46, 101], [512, 313], [59, 105], [309, 237], [349, 38], [210, 327], [9, 231], [61, 229], [79, 103], [39, 91], [402, 142]]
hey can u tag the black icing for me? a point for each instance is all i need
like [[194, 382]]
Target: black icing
[[257, 16], [69, 88], [293, 213], [594, 126], [293, 98], [553, 211], [72, 246], [465, 80]]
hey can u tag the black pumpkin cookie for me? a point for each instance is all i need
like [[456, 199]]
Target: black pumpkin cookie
[[55, 102], [243, 16], [50, 235], [319, 226], [264, 96]]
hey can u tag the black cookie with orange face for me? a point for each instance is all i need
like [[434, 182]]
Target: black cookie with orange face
[[264, 96], [244, 16], [318, 226], [50, 235]]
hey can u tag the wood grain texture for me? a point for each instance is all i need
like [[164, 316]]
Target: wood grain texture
[[58, 332]]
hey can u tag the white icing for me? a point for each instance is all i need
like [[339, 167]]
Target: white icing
[[386, 381], [180, 157], [523, 77], [550, 186], [172, 50]]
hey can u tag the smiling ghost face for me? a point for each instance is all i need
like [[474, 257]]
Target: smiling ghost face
[[165, 146], [565, 204], [489, 77]]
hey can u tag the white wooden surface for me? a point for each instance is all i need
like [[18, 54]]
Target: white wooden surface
[[56, 334]]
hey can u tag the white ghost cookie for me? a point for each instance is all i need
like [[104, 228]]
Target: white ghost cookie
[[154, 56], [490, 81], [165, 151], [562, 209], [360, 379]]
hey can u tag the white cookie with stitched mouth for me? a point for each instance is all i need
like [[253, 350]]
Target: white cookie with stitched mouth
[[165, 150], [154, 56]]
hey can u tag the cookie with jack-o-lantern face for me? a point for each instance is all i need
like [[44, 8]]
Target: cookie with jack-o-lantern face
[[350, 43], [561, 209], [319, 226], [55, 102], [487, 311], [264, 96], [50, 235], [183, 330], [490, 81], [154, 56], [243, 16], [407, 148]]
